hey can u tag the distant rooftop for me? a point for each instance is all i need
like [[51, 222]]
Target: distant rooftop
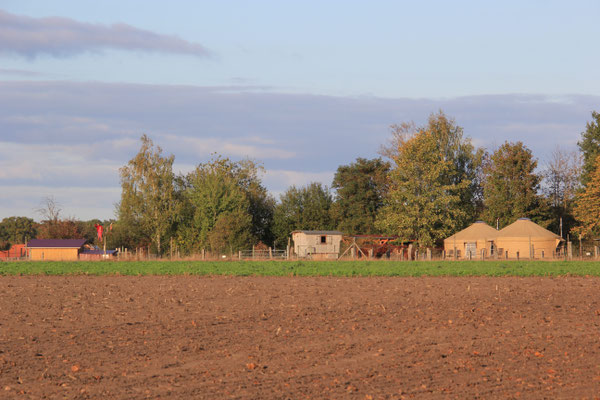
[[319, 232], [56, 243]]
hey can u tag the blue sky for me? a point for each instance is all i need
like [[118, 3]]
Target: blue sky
[[301, 86]]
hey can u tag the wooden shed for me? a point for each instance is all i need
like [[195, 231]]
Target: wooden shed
[[55, 249], [528, 239], [317, 245], [475, 241]]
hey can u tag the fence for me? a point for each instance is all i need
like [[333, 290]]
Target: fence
[[270, 254]]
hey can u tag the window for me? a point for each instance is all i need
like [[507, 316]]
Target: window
[[323, 239]]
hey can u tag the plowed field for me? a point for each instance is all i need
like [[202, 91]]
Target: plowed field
[[298, 337]]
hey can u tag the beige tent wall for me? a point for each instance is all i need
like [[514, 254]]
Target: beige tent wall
[[521, 245], [461, 246]]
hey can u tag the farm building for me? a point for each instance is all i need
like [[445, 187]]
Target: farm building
[[55, 249], [475, 241], [528, 239], [15, 251], [317, 244]]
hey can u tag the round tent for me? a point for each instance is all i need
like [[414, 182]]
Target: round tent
[[528, 239], [470, 242]]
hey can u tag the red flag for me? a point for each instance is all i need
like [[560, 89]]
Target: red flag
[[99, 229]]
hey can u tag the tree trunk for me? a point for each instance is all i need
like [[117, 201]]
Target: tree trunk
[[158, 244]]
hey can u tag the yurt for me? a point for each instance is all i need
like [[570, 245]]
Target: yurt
[[528, 239], [476, 241]]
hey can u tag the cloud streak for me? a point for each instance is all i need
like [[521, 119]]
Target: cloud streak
[[19, 72], [62, 37], [77, 135]]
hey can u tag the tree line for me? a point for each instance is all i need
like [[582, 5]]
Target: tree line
[[429, 182]]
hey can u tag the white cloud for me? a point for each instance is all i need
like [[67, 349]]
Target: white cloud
[[60, 37], [235, 147]]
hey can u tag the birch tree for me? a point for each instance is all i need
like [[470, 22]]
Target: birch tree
[[147, 206]]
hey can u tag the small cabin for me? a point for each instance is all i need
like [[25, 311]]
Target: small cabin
[[55, 249], [317, 245]]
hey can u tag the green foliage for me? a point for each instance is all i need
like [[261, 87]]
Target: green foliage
[[305, 208], [434, 185], [224, 207], [148, 199], [510, 187], [17, 230], [307, 268], [587, 208], [590, 147], [360, 189], [231, 232]]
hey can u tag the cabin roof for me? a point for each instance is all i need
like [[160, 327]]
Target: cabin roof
[[319, 232], [56, 243]]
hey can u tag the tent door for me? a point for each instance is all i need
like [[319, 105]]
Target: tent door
[[471, 249]]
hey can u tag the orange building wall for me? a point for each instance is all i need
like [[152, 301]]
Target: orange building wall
[[54, 254]]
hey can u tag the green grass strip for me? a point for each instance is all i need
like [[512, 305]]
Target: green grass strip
[[306, 268]]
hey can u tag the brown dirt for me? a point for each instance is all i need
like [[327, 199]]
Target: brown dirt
[[277, 338]]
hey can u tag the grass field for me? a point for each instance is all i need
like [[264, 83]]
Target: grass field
[[307, 268]]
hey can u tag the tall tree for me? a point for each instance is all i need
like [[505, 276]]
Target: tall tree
[[511, 186], [225, 206], [360, 189], [53, 226], [561, 182], [306, 208], [17, 230], [590, 147], [232, 231], [587, 207], [434, 183], [148, 198]]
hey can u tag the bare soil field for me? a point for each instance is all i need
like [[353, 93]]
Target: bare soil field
[[117, 337]]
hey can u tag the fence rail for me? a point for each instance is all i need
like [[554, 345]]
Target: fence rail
[[263, 254]]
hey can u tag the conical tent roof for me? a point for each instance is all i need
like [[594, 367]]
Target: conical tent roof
[[525, 228], [477, 231]]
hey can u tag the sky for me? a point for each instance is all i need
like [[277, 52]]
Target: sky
[[301, 87]]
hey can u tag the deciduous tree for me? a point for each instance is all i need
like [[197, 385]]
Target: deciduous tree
[[304, 208], [587, 205], [434, 183], [511, 186], [216, 195], [562, 178], [148, 199], [360, 190], [590, 147], [17, 230]]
